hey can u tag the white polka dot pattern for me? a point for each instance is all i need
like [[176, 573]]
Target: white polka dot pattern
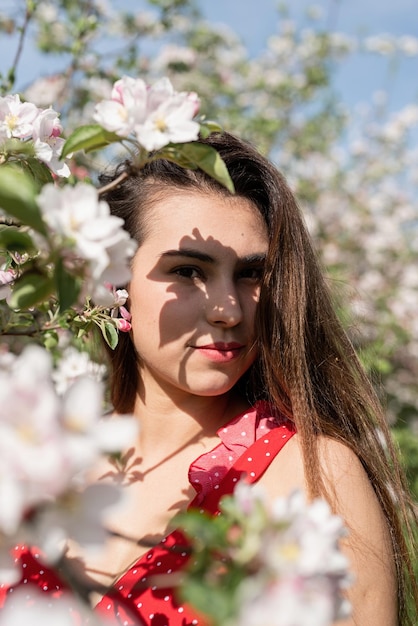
[[214, 474]]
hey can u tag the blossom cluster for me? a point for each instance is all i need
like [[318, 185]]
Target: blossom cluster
[[47, 443], [80, 222], [155, 115], [301, 571], [27, 122], [281, 562]]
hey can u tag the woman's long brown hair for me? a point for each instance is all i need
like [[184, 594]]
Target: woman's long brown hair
[[307, 367]]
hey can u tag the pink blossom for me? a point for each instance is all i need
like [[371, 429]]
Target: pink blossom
[[125, 313], [120, 296], [156, 115], [48, 143], [126, 107], [123, 325]]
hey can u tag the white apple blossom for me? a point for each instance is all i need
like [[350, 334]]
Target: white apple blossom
[[47, 141], [45, 90], [78, 218], [24, 121], [88, 434], [73, 364], [408, 45], [101, 87], [156, 115], [315, 530], [16, 117], [173, 55], [32, 464], [300, 571], [48, 12], [46, 442], [169, 119], [288, 602], [148, 22], [42, 609], [382, 44], [127, 106], [79, 516]]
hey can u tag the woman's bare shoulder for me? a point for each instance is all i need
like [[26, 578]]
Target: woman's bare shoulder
[[341, 468], [348, 486], [367, 545]]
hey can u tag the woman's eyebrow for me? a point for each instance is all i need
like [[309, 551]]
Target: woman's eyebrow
[[253, 259], [191, 253]]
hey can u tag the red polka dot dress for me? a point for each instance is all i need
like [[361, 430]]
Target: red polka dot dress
[[247, 446]]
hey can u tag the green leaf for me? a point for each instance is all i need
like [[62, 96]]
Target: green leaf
[[67, 286], [87, 138], [17, 197], [51, 340], [14, 239], [30, 289], [208, 160], [214, 602], [18, 147], [208, 127], [110, 334], [81, 332], [39, 171], [204, 531]]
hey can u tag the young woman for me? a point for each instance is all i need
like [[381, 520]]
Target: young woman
[[236, 363]]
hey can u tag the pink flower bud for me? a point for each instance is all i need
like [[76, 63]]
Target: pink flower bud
[[123, 325], [125, 313]]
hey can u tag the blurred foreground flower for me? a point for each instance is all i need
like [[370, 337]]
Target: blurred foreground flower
[[80, 222], [257, 564], [65, 610], [47, 443]]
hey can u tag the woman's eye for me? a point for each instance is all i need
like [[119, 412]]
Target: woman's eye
[[188, 271], [253, 274]]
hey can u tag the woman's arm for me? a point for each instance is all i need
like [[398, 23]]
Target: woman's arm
[[368, 545]]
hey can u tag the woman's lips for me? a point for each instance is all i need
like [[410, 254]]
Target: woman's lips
[[220, 352]]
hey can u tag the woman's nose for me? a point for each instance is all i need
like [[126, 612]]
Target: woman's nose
[[223, 306]]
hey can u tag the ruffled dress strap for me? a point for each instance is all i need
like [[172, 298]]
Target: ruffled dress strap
[[139, 594], [248, 445], [252, 464]]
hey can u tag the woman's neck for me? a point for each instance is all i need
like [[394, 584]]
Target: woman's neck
[[168, 423]]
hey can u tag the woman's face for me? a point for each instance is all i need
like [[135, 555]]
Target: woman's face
[[194, 292]]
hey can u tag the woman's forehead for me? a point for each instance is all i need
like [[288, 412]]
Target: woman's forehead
[[191, 209], [212, 223]]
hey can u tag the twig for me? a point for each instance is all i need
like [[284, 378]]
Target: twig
[[113, 183], [28, 17]]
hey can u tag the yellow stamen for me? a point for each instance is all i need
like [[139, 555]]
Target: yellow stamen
[[160, 124]]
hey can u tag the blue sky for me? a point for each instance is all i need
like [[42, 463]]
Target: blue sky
[[255, 20]]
